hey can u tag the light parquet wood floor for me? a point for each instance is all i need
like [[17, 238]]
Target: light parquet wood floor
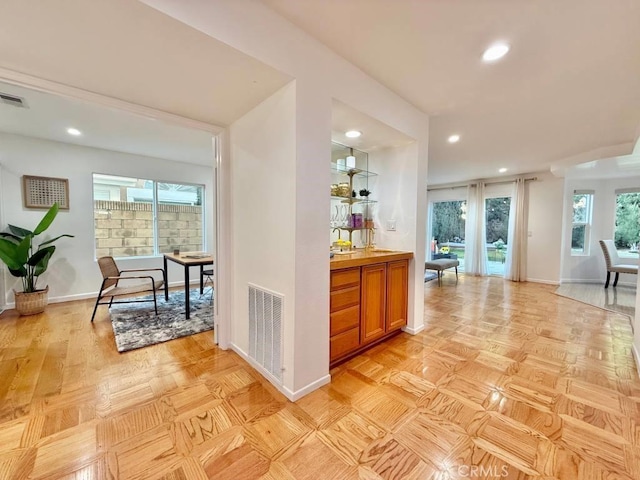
[[506, 381]]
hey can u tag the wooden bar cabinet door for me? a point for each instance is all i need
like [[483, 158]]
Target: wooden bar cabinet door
[[397, 294], [373, 296]]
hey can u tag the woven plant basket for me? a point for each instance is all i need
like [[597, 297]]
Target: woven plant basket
[[33, 302]]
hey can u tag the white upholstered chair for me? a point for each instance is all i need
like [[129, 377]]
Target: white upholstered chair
[[614, 263]]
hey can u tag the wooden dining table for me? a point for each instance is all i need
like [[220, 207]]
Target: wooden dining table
[[187, 259]]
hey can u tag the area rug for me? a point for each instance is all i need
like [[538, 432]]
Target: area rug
[[136, 325]]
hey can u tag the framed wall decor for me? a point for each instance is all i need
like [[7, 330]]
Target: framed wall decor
[[42, 192]]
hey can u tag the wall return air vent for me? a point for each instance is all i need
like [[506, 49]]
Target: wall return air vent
[[265, 329], [13, 100]]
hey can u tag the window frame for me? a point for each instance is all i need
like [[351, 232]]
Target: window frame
[[154, 210], [618, 192], [587, 224]]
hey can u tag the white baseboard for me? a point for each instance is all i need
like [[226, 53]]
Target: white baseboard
[[90, 295], [298, 394], [413, 331], [291, 395], [591, 281], [580, 280], [541, 280]]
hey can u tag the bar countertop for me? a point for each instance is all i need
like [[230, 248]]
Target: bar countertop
[[359, 258]]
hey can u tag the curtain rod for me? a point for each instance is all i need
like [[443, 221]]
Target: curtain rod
[[473, 184], [501, 182], [451, 188]]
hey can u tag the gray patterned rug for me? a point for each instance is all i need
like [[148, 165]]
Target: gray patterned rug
[[136, 325]]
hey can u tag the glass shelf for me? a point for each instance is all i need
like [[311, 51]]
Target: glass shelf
[[351, 229], [352, 200], [351, 172]]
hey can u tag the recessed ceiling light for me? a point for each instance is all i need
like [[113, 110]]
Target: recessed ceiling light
[[453, 138], [73, 131], [495, 52], [353, 133], [502, 170]]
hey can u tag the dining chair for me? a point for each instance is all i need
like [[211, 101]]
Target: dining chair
[[614, 263], [111, 288], [207, 276]]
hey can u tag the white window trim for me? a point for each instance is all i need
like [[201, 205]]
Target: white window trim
[[587, 225]]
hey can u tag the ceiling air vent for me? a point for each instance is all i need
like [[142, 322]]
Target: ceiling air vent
[[13, 100]]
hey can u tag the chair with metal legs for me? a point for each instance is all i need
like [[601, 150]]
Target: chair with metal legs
[[207, 279], [112, 287]]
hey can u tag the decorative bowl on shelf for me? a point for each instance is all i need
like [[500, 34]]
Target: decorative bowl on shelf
[[344, 190]]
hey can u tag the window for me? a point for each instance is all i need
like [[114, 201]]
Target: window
[[582, 209], [136, 217], [627, 234]]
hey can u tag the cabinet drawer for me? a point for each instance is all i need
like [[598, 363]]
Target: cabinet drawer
[[347, 297], [349, 277], [345, 319], [344, 343]]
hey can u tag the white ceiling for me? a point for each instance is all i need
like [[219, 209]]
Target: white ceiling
[[619, 166], [48, 117], [129, 51], [375, 133], [569, 85]]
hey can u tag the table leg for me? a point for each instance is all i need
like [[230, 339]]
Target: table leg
[[186, 291], [201, 279], [166, 280]]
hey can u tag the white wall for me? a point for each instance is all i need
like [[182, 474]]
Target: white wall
[[274, 181], [263, 203], [399, 189], [544, 222], [591, 268], [73, 272], [320, 76], [313, 177]]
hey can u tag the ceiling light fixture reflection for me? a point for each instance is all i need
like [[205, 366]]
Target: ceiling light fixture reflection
[[453, 138], [353, 134], [495, 52], [74, 131], [502, 170]]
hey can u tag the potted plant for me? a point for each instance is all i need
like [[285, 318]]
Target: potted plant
[[17, 252]]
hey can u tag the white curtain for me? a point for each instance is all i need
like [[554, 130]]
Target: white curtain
[[475, 251], [3, 298], [516, 261]]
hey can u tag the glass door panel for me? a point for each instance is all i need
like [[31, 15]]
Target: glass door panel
[[448, 221], [497, 240]]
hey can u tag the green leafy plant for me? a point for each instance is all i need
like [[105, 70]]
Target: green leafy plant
[[17, 251]]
